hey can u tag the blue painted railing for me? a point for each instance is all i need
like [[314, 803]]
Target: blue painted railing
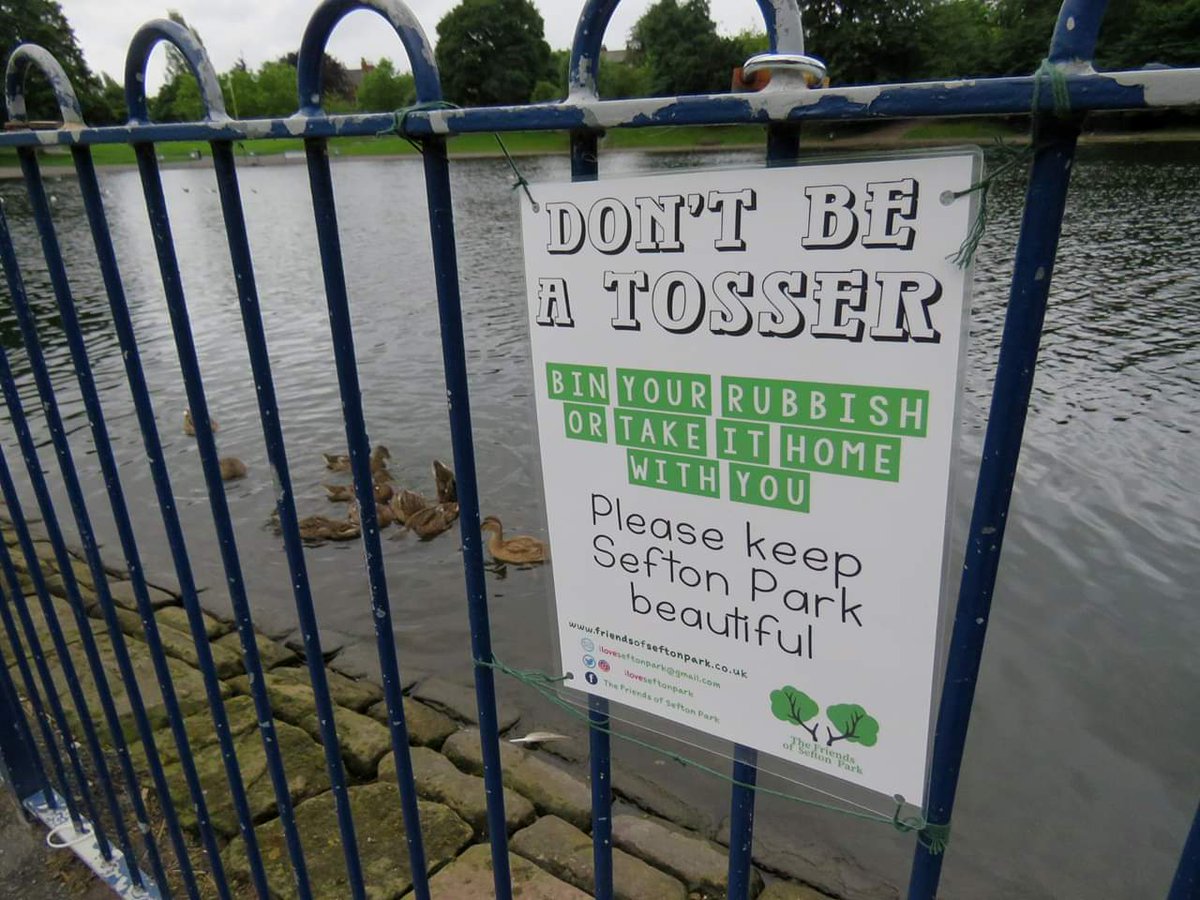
[[43, 758]]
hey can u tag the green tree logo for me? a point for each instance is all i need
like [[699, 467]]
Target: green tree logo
[[794, 707], [853, 724]]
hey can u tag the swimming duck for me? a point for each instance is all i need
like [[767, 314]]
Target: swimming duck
[[406, 503], [520, 550], [383, 514], [232, 468], [432, 520], [336, 462], [447, 485], [189, 426], [323, 528], [339, 493]]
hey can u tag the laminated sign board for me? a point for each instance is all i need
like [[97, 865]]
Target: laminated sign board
[[746, 390]]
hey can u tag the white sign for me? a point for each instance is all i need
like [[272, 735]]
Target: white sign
[[746, 392]]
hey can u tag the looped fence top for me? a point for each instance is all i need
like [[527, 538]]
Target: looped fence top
[[28, 56], [781, 18], [182, 39], [326, 17]]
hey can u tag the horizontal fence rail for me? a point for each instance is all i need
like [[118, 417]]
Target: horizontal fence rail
[[98, 793]]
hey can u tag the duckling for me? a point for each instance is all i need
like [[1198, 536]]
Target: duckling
[[232, 468], [406, 504], [189, 426], [520, 550], [382, 476], [447, 485], [322, 528], [383, 514], [432, 520], [383, 492], [339, 493]]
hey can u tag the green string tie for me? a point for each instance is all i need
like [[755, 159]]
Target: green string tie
[[932, 837], [402, 114], [1046, 72]]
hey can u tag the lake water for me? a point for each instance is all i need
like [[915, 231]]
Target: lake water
[[1082, 767]]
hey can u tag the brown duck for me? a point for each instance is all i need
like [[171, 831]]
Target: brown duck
[[323, 528], [341, 462], [189, 426], [447, 485], [521, 550], [432, 520], [232, 468]]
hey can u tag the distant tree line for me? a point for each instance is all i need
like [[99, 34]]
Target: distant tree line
[[495, 52]]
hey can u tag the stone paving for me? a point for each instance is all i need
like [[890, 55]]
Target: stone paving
[[547, 799]]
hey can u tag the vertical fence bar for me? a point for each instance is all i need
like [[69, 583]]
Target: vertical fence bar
[[243, 269], [19, 760], [67, 574], [1186, 883], [585, 166], [1054, 139], [108, 465], [454, 358], [122, 324], [320, 181], [164, 246], [35, 702], [39, 660]]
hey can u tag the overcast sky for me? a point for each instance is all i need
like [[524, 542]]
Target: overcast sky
[[266, 29]]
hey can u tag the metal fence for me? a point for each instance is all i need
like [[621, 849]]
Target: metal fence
[[57, 762]]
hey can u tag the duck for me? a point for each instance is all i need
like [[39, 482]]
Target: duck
[[432, 520], [232, 468], [521, 549], [339, 493], [383, 514], [323, 528], [189, 425], [340, 462], [406, 503], [344, 493], [447, 485]]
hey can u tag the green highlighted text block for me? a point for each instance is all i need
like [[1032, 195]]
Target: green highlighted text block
[[680, 392], [665, 432], [682, 474], [744, 441], [764, 486], [845, 407], [840, 453], [585, 422], [582, 384]]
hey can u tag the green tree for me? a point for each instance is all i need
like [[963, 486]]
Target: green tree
[[863, 41], [679, 43], [619, 80], [853, 724], [43, 22], [957, 39], [794, 707], [383, 88], [276, 82], [492, 52]]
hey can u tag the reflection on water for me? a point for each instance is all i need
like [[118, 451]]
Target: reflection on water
[[1082, 760]]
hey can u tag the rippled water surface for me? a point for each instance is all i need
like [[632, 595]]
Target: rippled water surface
[[1082, 767]]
